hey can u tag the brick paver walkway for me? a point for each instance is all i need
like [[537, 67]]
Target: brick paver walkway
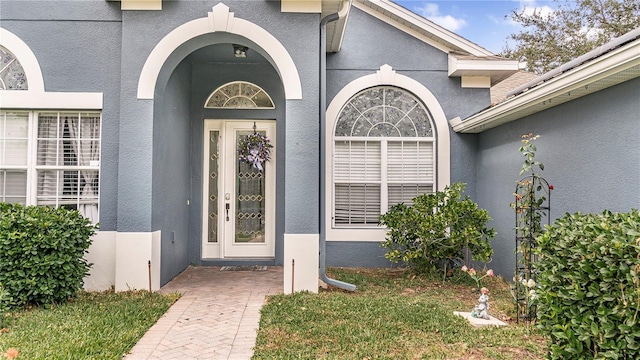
[[216, 317]]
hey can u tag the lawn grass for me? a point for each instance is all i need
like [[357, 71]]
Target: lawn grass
[[394, 314], [102, 325]]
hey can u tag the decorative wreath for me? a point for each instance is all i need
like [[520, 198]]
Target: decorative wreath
[[254, 149]]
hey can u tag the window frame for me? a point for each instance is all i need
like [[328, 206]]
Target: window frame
[[383, 180], [385, 76], [32, 168]]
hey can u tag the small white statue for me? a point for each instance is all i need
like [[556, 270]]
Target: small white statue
[[481, 310]]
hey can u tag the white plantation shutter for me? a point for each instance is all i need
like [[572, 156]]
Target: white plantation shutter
[[14, 137], [357, 189], [410, 161], [14, 142], [357, 204], [404, 193], [13, 186], [357, 161]]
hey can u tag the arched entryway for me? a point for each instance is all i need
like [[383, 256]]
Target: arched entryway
[[199, 203]]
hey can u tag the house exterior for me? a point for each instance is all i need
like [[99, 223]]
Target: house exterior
[[587, 113], [132, 112]]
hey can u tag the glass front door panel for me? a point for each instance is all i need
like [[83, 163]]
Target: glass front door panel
[[214, 159], [250, 200]]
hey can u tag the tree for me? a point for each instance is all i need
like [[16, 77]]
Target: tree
[[574, 28]]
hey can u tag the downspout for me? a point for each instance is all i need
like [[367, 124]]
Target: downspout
[[322, 155]]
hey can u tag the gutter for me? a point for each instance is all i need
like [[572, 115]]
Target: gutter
[[322, 154], [602, 49]]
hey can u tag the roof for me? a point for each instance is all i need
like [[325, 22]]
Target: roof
[[466, 59], [610, 64]]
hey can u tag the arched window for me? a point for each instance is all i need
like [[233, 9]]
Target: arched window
[[383, 154], [239, 95], [12, 76]]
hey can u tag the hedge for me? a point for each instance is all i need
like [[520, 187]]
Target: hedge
[[42, 253], [589, 291]]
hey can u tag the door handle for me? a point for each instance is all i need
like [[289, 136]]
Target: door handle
[[226, 206]]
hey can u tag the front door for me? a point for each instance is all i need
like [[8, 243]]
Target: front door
[[239, 199]]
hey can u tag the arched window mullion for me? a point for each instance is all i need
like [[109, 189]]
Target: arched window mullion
[[222, 97], [12, 74]]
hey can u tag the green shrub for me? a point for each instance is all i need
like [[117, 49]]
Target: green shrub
[[42, 253], [436, 229], [589, 294]]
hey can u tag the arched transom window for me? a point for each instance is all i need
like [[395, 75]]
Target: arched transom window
[[383, 155], [12, 76], [239, 95]]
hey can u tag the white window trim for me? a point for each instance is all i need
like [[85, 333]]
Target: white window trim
[[36, 97], [32, 168], [385, 76]]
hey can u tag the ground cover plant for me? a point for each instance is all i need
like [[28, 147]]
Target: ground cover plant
[[93, 326], [395, 314]]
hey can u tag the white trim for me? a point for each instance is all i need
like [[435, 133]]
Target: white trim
[[303, 249], [26, 57], [102, 254], [476, 82], [133, 252], [387, 10], [20, 99], [460, 67], [220, 20], [141, 5], [565, 87], [301, 6], [385, 76], [36, 97]]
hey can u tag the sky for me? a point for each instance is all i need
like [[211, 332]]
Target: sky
[[484, 22]]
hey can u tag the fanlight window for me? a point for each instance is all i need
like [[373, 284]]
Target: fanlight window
[[383, 154], [239, 95], [12, 76]]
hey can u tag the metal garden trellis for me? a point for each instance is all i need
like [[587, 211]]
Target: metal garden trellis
[[533, 203]]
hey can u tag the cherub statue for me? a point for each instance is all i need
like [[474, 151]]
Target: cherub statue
[[482, 309]]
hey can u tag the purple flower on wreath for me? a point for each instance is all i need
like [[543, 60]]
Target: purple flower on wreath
[[255, 149]]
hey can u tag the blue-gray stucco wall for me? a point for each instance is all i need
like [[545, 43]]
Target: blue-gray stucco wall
[[589, 148], [370, 43], [77, 45], [171, 162]]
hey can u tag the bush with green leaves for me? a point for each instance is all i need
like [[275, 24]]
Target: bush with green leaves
[[589, 286], [436, 229], [42, 253]]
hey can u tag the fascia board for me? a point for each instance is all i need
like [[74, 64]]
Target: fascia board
[[459, 67], [600, 68]]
